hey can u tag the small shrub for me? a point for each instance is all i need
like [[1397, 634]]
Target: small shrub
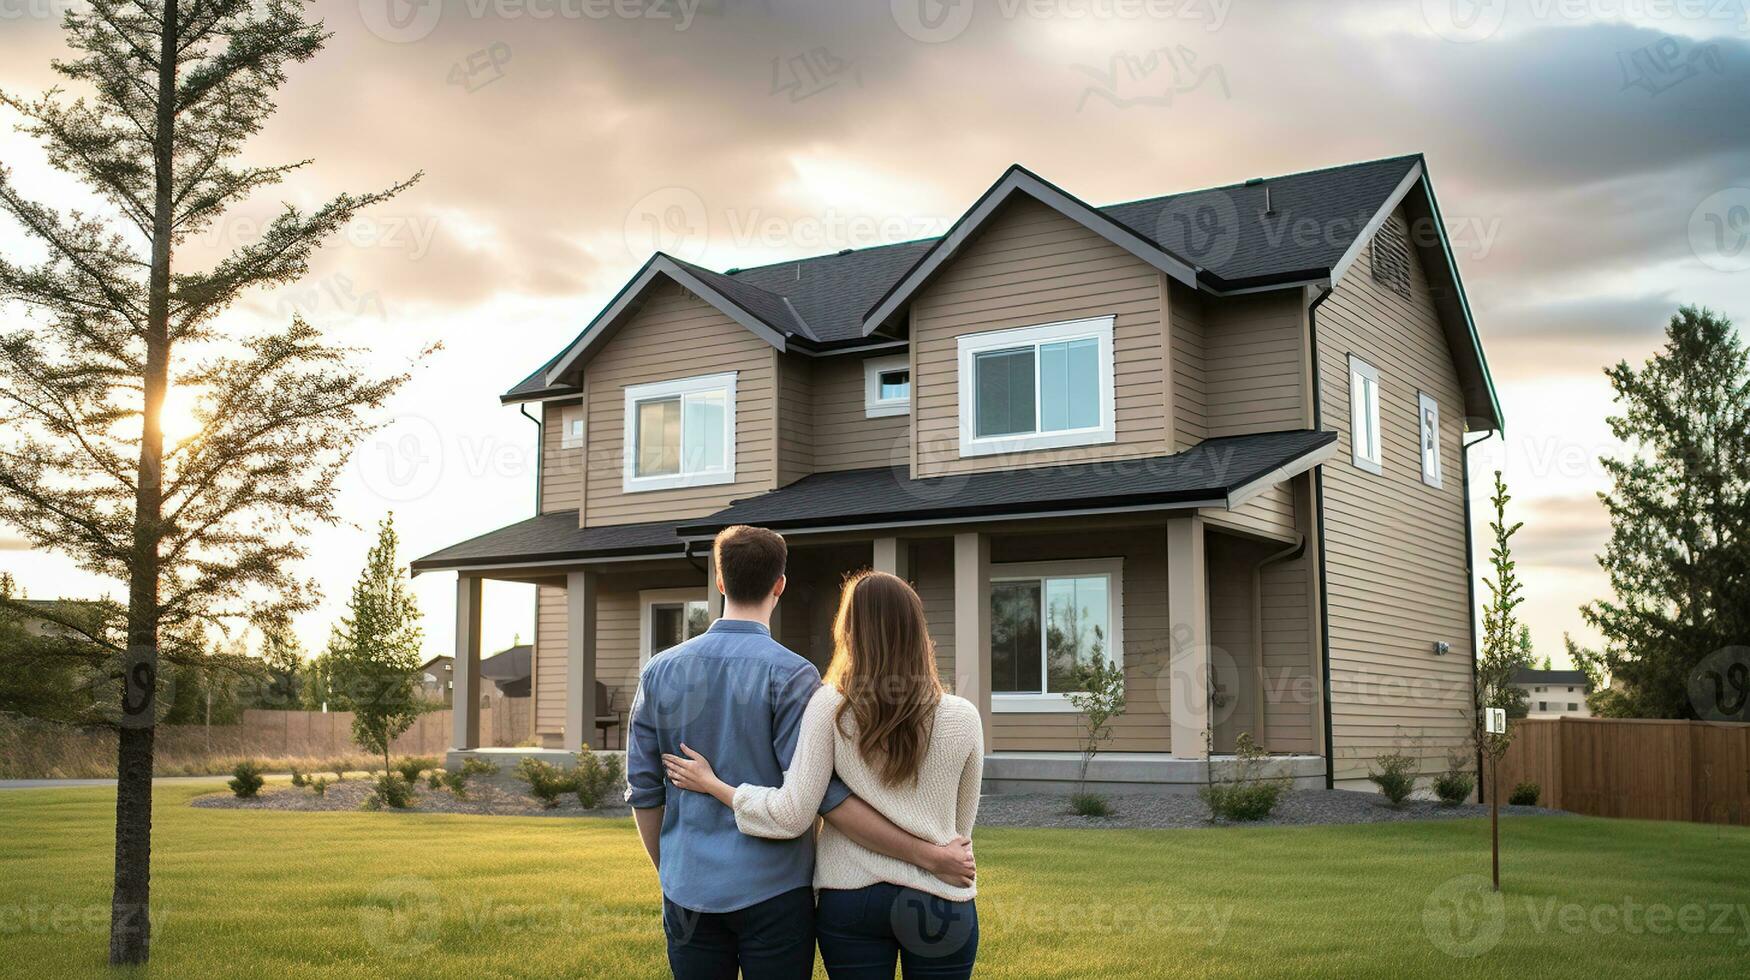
[[547, 782], [246, 780], [479, 767], [297, 777], [457, 779], [1089, 805], [1396, 777], [1251, 794], [435, 780], [596, 776], [1454, 785], [411, 766], [319, 786], [1525, 794], [392, 791]]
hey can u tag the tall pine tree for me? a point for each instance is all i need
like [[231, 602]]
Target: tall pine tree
[[1679, 505], [374, 650], [202, 529]]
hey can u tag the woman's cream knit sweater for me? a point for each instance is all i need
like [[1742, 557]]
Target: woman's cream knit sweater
[[940, 805]]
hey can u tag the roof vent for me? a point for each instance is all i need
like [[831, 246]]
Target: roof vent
[[733, 271], [845, 251]]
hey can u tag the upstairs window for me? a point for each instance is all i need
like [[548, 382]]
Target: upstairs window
[[1036, 387], [886, 386], [1429, 412], [571, 427], [680, 433], [1364, 415]]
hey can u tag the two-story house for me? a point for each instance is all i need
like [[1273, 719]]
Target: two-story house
[[1217, 437]]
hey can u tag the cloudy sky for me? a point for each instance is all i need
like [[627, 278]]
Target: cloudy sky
[[1592, 158]]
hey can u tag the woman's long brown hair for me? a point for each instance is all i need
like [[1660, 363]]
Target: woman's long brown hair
[[885, 666]]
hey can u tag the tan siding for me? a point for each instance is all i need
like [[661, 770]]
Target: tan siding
[[796, 419], [1144, 725], [1232, 654], [1253, 364], [1270, 512], [1032, 266], [932, 566], [1395, 568], [1289, 694], [549, 666], [1190, 399], [843, 438], [676, 336], [561, 468]]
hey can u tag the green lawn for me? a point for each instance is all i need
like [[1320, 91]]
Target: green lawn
[[330, 894]]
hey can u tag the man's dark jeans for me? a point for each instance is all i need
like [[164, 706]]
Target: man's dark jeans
[[863, 931], [772, 939]]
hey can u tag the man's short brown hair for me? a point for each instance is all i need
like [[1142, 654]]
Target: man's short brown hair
[[750, 560]]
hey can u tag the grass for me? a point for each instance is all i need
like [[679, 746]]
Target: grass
[[340, 894]]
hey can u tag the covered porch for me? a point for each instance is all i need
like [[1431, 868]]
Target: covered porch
[[1208, 602]]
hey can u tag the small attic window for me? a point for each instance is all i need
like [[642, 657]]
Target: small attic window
[[1391, 257]]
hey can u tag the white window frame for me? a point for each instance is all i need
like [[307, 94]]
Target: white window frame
[[874, 406], [1369, 415], [971, 345], [630, 481], [571, 427], [660, 597], [1113, 570], [1425, 404]]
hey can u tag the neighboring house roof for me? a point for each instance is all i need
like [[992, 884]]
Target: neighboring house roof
[[1526, 675], [554, 537], [507, 665], [443, 658], [1217, 472], [1219, 240]]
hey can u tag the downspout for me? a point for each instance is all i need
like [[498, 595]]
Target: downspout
[[1470, 588], [540, 447], [1286, 554], [1318, 493]]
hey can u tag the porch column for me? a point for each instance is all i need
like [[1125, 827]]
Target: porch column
[[893, 556], [580, 676], [713, 598], [465, 677], [1188, 615], [972, 623]]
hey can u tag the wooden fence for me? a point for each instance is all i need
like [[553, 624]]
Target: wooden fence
[[1646, 769], [322, 734]]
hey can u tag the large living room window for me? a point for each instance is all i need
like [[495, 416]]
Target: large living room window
[[1046, 618], [680, 433], [1036, 387]]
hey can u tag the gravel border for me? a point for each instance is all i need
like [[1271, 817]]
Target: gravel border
[[501, 795], [1297, 808]]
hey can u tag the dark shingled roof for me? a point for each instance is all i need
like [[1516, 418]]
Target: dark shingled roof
[[552, 537], [822, 300], [1527, 675], [1208, 471]]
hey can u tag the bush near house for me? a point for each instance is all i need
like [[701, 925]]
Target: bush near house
[[1395, 777], [1250, 793], [1525, 794], [411, 766], [547, 782], [596, 777]]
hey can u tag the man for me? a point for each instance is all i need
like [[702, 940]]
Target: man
[[733, 902]]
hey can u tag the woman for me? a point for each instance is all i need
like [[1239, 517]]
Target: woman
[[913, 752]]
